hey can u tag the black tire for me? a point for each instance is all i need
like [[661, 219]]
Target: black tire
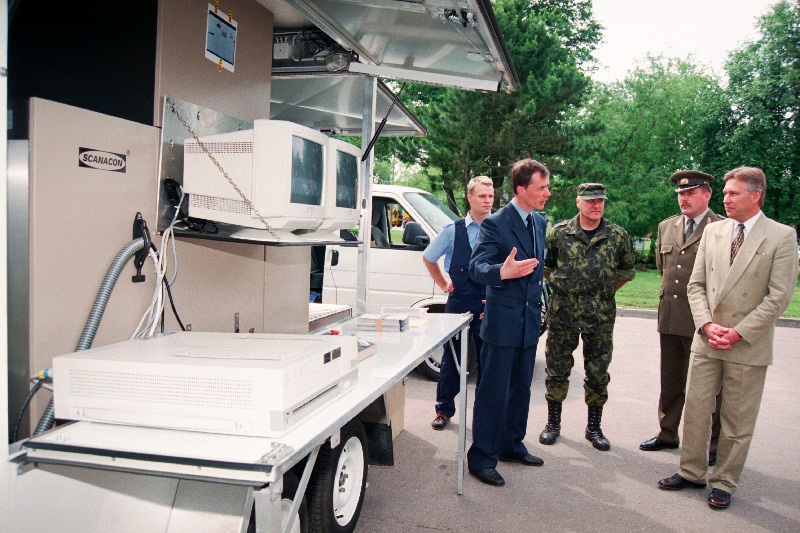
[[545, 306], [431, 365], [336, 489], [290, 485]]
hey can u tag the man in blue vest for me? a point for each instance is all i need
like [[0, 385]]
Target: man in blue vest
[[455, 243]]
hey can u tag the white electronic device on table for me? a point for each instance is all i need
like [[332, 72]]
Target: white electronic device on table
[[230, 383]]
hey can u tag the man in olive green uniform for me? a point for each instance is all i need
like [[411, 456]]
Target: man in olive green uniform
[[678, 240], [588, 258]]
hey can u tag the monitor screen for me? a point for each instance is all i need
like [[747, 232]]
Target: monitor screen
[[346, 180], [307, 172]]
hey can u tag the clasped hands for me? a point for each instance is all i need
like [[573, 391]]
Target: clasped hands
[[512, 268], [720, 337]]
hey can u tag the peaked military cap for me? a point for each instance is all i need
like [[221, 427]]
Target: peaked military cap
[[689, 179], [590, 191]]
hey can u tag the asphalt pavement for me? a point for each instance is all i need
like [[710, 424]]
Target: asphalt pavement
[[583, 489]]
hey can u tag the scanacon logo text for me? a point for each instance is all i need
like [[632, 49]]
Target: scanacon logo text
[[101, 160]]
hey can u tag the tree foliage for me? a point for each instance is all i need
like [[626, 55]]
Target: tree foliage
[[632, 135], [760, 127]]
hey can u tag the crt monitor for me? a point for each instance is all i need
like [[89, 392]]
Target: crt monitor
[[343, 186], [279, 166]]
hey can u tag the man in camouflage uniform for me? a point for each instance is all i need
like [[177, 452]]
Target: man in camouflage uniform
[[587, 260]]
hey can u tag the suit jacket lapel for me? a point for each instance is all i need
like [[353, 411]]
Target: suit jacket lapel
[[676, 231], [754, 238], [694, 237], [521, 231]]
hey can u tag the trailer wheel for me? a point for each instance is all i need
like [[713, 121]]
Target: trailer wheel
[[290, 485], [338, 481]]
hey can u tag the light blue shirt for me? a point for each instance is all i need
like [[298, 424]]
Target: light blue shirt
[[442, 244]]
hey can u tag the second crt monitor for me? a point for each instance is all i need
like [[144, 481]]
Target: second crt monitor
[[343, 185]]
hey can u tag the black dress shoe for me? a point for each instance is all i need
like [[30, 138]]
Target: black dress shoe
[[712, 458], [490, 476], [719, 499], [678, 482], [655, 444], [527, 459]]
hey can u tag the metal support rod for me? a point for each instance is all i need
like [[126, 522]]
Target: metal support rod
[[365, 227], [301, 489], [268, 513], [462, 418]]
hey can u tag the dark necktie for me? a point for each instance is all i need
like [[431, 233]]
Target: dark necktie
[[737, 242], [529, 225], [689, 229]]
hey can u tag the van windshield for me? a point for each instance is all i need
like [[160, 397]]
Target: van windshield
[[435, 213]]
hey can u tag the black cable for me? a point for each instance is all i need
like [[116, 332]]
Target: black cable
[[25, 403], [172, 304], [199, 225], [378, 131]]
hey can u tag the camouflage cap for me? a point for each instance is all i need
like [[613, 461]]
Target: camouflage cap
[[689, 179], [590, 191]]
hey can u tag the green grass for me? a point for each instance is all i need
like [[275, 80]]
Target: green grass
[[642, 293]]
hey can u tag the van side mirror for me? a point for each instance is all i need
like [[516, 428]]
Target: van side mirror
[[414, 235], [334, 257]]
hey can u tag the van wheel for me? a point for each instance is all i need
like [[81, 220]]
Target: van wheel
[[432, 364], [338, 481]]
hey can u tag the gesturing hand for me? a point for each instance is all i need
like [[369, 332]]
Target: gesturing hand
[[512, 268]]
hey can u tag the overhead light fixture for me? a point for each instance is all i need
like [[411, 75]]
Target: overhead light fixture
[[431, 78], [337, 62]]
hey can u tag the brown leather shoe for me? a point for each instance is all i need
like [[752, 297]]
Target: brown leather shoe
[[678, 482], [440, 421], [719, 499]]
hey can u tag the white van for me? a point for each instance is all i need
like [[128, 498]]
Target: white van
[[404, 221]]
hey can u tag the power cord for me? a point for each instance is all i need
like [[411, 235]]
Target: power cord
[[25, 402]]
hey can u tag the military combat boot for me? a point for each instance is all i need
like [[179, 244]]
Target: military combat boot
[[593, 431], [553, 428]]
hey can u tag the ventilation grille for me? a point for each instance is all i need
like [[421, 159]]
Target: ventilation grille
[[185, 391], [225, 205], [230, 147]]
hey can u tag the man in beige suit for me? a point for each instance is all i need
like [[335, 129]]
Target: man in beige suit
[[743, 280], [677, 244]]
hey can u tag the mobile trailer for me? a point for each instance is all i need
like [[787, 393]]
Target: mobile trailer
[[57, 205]]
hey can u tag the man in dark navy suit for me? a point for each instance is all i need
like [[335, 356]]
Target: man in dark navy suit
[[508, 259]]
